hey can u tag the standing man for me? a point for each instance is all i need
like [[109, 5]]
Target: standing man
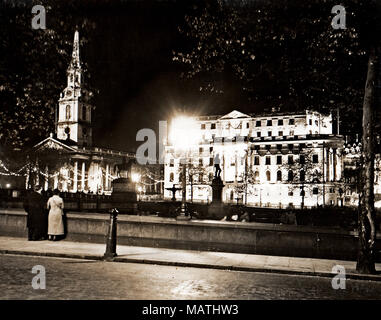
[[37, 219]]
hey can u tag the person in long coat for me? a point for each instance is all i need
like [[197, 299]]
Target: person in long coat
[[37, 221], [55, 225]]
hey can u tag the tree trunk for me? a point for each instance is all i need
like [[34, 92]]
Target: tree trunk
[[366, 216]]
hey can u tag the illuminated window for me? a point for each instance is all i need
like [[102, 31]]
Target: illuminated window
[[268, 175]]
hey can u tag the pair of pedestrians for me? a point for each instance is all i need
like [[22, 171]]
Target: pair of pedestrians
[[41, 222]]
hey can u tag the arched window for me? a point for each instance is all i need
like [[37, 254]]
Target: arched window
[[68, 115], [256, 176], [171, 177], [290, 175], [279, 175], [302, 175], [268, 175], [232, 195]]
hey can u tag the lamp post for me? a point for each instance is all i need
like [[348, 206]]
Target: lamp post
[[184, 134], [184, 213]]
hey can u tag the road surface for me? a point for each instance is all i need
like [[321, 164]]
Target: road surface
[[86, 279]]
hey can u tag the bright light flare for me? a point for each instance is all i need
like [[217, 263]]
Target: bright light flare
[[135, 177], [184, 132]]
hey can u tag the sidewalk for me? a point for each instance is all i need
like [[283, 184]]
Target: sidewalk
[[184, 258]]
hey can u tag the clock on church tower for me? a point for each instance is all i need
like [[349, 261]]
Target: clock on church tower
[[74, 114]]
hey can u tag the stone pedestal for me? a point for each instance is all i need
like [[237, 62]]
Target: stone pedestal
[[216, 208], [124, 196]]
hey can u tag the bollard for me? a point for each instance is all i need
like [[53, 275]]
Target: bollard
[[110, 253]]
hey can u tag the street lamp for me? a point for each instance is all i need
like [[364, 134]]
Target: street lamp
[[183, 135]]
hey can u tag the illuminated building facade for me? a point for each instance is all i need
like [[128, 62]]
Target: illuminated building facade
[[269, 160]]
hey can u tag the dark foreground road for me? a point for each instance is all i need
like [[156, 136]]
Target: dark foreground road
[[84, 279]]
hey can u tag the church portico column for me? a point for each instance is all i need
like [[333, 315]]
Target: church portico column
[[83, 175], [75, 178]]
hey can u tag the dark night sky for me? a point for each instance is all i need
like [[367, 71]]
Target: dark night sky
[[129, 56]]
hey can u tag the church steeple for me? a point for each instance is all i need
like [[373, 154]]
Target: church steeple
[[74, 117]]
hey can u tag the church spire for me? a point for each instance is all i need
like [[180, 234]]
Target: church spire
[[75, 63]]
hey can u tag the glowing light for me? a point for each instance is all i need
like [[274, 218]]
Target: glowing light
[[135, 177], [184, 132], [140, 189], [8, 185]]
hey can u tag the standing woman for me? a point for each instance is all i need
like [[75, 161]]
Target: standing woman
[[55, 225]]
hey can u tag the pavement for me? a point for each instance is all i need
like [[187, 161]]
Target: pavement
[[185, 258]]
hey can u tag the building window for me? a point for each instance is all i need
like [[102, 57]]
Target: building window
[[256, 161], [302, 176], [279, 160], [171, 162], [291, 132], [210, 161], [268, 160], [268, 147], [269, 123], [310, 122], [200, 162], [280, 122], [302, 159], [290, 147], [291, 121], [279, 147], [280, 133], [290, 160], [247, 125], [268, 175], [315, 191], [316, 122], [315, 158], [256, 176], [258, 134], [213, 126], [68, 115], [302, 146], [171, 177], [269, 133], [279, 175], [331, 190], [84, 132], [258, 123], [200, 177], [290, 175], [256, 147], [200, 150]]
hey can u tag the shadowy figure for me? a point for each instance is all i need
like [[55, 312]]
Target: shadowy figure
[[217, 167], [37, 221]]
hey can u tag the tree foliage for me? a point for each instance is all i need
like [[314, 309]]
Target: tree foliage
[[283, 53], [32, 67]]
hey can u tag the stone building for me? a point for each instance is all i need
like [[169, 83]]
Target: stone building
[[271, 160]]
